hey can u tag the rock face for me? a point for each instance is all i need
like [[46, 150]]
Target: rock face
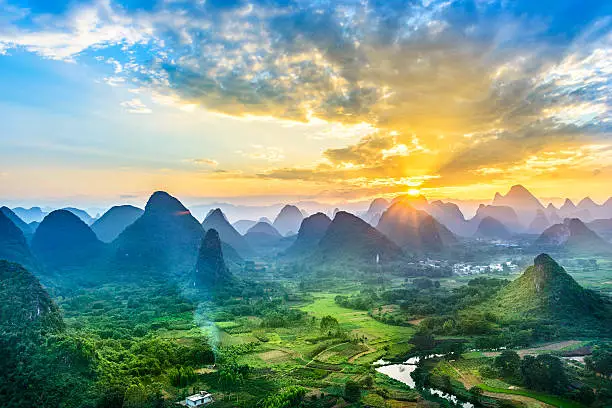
[[13, 245], [211, 270], [413, 229], [288, 220], [546, 291], [108, 227], [63, 240], [521, 201], [165, 239], [228, 234], [19, 223], [311, 231], [572, 235], [350, 239], [490, 228]]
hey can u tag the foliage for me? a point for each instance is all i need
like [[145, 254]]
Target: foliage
[[352, 391], [287, 398], [544, 373]]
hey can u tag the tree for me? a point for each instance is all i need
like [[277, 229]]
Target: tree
[[601, 360], [508, 363], [352, 391], [328, 324], [544, 373], [373, 400]]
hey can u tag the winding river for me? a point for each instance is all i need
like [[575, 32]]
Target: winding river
[[403, 373]]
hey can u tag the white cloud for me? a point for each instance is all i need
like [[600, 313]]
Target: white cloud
[[135, 105], [267, 153]]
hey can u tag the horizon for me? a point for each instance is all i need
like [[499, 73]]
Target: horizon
[[106, 99]]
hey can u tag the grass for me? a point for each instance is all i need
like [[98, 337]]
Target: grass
[[546, 398]]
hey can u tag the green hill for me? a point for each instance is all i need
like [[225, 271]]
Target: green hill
[[13, 244], [545, 291]]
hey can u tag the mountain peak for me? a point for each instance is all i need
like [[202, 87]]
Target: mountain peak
[[216, 220], [545, 260], [288, 220], [215, 214], [160, 201], [211, 269]]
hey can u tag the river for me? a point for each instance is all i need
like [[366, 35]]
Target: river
[[403, 373]]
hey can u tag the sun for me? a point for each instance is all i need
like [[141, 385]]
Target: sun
[[414, 192]]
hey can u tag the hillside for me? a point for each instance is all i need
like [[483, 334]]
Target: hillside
[[522, 201], [228, 234], [311, 231], [350, 239], [108, 227], [19, 223], [571, 236], [165, 239], [211, 269], [545, 291], [506, 215], [413, 229]]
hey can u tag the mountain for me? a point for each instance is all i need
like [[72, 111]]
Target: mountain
[[24, 304], [414, 229], [603, 228], [546, 291], [13, 244], [228, 234], [64, 240], [25, 228], [211, 270], [539, 223], [311, 231], [166, 238], [108, 227], [242, 226], [262, 234], [30, 214], [491, 228], [552, 213], [419, 202], [449, 215], [350, 239], [288, 221], [82, 214], [375, 210], [572, 235], [506, 215], [521, 201]]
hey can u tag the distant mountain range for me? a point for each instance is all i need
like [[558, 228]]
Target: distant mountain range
[[573, 236], [108, 227], [228, 234]]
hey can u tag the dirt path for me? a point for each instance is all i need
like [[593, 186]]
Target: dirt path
[[363, 353], [536, 350]]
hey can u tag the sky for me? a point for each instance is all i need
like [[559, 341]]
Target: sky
[[106, 101]]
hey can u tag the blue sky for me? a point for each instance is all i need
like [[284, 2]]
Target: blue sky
[[334, 100]]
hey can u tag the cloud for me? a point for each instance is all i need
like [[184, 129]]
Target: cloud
[[204, 162], [135, 105]]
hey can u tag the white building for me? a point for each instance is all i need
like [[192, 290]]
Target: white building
[[198, 400]]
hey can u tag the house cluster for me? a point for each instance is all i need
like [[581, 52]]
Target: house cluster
[[197, 400]]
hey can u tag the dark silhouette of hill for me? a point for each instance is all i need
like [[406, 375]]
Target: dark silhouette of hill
[[211, 269], [545, 291], [82, 214], [228, 234], [64, 240], [165, 239], [413, 229], [19, 223], [311, 231], [491, 228], [108, 227], [13, 244], [288, 221], [571, 236], [263, 235], [350, 239]]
